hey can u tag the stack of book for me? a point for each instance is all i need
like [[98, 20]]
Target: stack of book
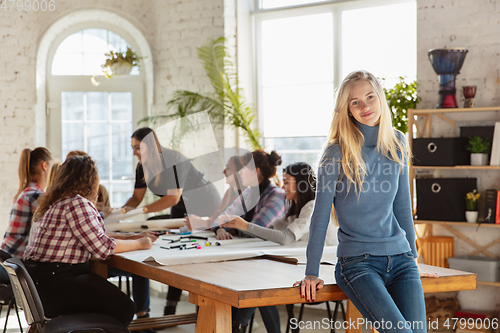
[[492, 207]]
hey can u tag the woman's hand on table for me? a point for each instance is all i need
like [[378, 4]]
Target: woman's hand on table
[[233, 221], [148, 234], [308, 287], [145, 243], [222, 234]]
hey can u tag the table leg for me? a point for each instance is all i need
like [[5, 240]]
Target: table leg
[[213, 316], [352, 314]]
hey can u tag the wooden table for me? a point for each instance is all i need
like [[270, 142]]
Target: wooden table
[[215, 287]]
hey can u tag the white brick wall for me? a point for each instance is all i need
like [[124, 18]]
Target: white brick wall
[[173, 29], [474, 25]]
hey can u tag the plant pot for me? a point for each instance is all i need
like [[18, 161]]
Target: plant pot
[[120, 68], [471, 216], [478, 159]]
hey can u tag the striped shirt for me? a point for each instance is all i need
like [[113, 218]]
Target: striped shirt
[[71, 231], [17, 234]]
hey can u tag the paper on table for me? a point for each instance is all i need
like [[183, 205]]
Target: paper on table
[[118, 214], [145, 225], [239, 249]]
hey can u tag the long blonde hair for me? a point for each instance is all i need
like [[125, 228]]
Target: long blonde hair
[[344, 132]]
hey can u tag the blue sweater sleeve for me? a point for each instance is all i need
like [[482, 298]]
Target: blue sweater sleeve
[[402, 206], [327, 177]]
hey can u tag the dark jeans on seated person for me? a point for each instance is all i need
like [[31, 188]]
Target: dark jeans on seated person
[[72, 288], [270, 317], [140, 288]]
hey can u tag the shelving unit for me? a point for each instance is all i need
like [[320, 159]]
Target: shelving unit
[[424, 129]]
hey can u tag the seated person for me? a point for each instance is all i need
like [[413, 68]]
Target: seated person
[[69, 230], [233, 166], [140, 284], [103, 204], [261, 203], [34, 171], [299, 183]]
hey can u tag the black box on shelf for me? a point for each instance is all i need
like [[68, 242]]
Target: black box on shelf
[[485, 132], [443, 199], [440, 152]]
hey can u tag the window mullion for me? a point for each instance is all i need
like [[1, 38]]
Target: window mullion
[[110, 148], [337, 46], [85, 125]]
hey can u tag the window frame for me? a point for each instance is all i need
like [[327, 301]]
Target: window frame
[[336, 7]]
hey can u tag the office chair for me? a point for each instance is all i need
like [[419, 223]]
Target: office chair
[[7, 296], [28, 299]]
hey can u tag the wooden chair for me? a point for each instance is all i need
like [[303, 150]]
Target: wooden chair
[[27, 299]]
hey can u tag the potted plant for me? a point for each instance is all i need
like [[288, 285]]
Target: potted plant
[[120, 63], [471, 206], [479, 149]]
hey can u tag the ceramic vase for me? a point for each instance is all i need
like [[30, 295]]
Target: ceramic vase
[[471, 216]]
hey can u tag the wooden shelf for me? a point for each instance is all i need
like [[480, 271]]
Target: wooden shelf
[[493, 284], [457, 167], [417, 112], [464, 224]]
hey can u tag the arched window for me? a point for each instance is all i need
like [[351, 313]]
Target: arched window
[[82, 53], [96, 119]]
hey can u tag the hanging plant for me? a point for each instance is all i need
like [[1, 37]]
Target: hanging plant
[[120, 63]]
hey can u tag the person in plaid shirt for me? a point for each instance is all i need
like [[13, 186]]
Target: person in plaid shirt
[[34, 169], [260, 210], [68, 232]]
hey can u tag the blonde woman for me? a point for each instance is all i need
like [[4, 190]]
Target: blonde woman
[[364, 173]]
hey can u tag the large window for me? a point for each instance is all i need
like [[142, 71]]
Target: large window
[[96, 119], [303, 54], [100, 123]]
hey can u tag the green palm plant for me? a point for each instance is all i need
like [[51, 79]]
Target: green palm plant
[[226, 105]]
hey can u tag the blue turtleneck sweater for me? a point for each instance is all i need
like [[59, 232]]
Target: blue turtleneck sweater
[[376, 219]]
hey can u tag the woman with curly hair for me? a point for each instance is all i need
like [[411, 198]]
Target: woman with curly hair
[[69, 230]]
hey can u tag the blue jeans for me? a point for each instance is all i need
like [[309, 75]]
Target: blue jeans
[[386, 290], [140, 288]]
